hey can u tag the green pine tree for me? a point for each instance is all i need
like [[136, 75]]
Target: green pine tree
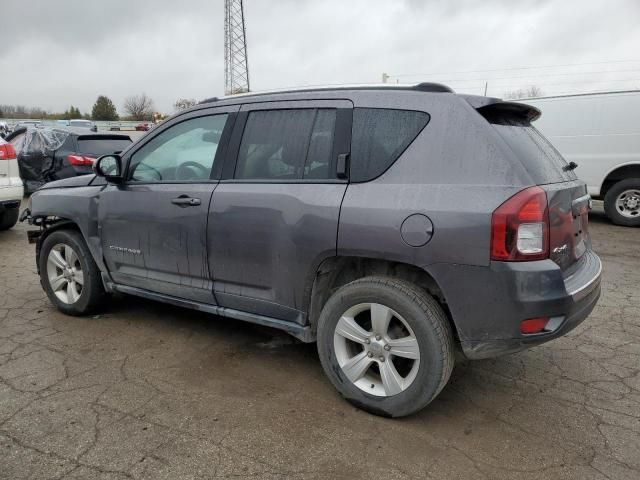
[[104, 109]]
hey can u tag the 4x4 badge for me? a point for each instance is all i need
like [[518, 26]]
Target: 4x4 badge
[[561, 250]]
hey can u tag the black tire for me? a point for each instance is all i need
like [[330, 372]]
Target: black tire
[[92, 293], [429, 324], [610, 202], [9, 218]]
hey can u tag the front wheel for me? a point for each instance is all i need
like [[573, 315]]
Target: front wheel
[[622, 203], [68, 273], [385, 345]]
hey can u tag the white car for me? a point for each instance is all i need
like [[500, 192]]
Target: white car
[[78, 123], [601, 134], [11, 189]]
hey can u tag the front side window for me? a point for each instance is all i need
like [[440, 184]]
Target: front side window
[[287, 145], [378, 138], [184, 152]]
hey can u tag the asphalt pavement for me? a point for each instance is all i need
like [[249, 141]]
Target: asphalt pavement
[[146, 390]]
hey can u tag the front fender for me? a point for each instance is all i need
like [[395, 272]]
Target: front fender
[[77, 206]]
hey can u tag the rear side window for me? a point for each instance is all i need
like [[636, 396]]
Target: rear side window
[[287, 144], [378, 138], [538, 156], [102, 146]]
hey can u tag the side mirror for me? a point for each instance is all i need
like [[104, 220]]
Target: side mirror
[[109, 167]]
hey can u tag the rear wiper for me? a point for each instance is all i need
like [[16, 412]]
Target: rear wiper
[[570, 166]]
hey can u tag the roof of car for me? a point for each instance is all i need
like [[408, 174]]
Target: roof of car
[[419, 87]]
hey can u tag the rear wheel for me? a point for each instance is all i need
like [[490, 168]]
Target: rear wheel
[[622, 202], [9, 218], [386, 345], [68, 273]]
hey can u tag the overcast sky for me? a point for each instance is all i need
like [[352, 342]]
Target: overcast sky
[[67, 52]]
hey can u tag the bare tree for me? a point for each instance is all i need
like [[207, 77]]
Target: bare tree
[[139, 107], [534, 91], [529, 92], [183, 103]]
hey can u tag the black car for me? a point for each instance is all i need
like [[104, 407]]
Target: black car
[[47, 154]]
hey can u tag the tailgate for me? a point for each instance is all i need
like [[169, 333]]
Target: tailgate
[[569, 222], [567, 197]]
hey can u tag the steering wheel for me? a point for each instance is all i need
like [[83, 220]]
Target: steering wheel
[[185, 171]]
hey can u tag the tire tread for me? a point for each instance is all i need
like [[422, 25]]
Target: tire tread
[[433, 315], [92, 277]]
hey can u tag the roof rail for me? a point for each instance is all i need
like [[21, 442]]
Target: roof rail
[[432, 87], [420, 87]]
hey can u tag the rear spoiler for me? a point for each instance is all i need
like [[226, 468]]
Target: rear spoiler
[[490, 107]]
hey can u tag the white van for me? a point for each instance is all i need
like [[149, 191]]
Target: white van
[[601, 133]]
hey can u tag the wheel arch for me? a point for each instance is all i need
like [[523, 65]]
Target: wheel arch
[[334, 272], [58, 224], [621, 172]]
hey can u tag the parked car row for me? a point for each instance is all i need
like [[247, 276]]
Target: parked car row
[[5, 129], [47, 154], [78, 123]]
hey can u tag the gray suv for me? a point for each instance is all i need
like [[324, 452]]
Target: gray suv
[[391, 225]]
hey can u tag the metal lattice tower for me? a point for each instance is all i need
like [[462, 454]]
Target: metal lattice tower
[[236, 65]]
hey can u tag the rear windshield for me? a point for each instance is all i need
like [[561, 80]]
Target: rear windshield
[[543, 162], [102, 146]]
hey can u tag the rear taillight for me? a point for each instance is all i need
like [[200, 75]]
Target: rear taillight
[[520, 227], [80, 161], [7, 151]]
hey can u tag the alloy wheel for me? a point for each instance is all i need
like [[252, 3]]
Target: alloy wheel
[[64, 273], [376, 349]]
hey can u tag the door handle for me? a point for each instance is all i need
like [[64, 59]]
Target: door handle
[[184, 201]]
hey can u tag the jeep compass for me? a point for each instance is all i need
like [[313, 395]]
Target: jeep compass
[[391, 225]]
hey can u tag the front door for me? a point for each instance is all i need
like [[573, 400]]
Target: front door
[[274, 215], [153, 227]]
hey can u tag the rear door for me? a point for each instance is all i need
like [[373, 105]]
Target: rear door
[[274, 215], [153, 227]]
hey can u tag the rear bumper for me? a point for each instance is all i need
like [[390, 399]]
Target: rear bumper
[[10, 195], [489, 304], [10, 200]]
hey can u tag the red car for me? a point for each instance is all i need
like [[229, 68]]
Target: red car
[[143, 127]]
